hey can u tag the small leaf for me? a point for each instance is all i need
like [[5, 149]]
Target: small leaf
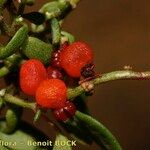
[[57, 145], [108, 141], [34, 17], [35, 48], [37, 115], [14, 43]]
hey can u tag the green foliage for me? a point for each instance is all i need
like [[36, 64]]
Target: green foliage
[[16, 41], [77, 132], [55, 27], [45, 36], [37, 115], [55, 9], [106, 138], [35, 48]]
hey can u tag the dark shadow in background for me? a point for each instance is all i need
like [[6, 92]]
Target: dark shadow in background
[[119, 33]]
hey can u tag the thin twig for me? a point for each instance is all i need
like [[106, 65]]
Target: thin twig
[[115, 75]]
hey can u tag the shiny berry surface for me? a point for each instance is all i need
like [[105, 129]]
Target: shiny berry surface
[[74, 57], [55, 56], [53, 73], [32, 73], [55, 60], [51, 93], [66, 112]]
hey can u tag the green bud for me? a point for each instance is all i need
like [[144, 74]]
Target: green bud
[[35, 48], [37, 115]]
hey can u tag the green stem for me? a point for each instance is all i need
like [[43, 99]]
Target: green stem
[[115, 75], [72, 93], [108, 140], [56, 31], [20, 102], [10, 63]]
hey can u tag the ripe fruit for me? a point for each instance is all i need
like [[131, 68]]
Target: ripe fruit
[[75, 57], [32, 73], [55, 59], [51, 93], [65, 112], [53, 73]]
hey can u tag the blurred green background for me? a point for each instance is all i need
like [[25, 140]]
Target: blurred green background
[[119, 33]]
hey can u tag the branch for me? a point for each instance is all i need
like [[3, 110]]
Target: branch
[[72, 93], [19, 102], [115, 75]]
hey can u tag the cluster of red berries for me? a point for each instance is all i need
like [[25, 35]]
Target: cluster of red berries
[[47, 85]]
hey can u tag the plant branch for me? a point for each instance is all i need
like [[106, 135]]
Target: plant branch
[[22, 103], [19, 102], [72, 93], [106, 137], [115, 75]]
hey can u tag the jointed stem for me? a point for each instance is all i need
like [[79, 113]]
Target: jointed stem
[[109, 139], [20, 102], [72, 93], [115, 75]]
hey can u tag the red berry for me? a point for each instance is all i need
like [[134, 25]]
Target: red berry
[[66, 112], [32, 73], [75, 57], [55, 60], [51, 93], [53, 73]]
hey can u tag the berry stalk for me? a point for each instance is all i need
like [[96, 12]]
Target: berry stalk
[[72, 93], [111, 76]]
